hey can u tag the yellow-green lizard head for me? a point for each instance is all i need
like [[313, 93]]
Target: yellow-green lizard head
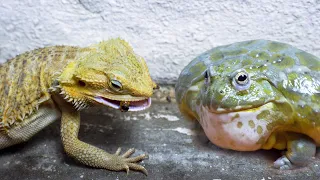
[[110, 73]]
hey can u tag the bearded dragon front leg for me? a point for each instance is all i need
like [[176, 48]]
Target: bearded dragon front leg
[[90, 155]]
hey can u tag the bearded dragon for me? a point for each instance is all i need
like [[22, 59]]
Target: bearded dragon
[[46, 84]]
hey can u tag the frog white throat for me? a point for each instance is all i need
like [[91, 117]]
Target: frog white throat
[[235, 130]]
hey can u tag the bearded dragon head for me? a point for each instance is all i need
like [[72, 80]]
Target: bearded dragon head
[[111, 74]]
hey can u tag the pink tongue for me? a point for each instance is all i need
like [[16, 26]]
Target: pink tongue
[[134, 105], [139, 105]]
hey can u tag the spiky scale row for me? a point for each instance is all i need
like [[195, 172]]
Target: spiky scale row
[[78, 104]]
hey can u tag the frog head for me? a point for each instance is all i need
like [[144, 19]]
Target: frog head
[[241, 107]]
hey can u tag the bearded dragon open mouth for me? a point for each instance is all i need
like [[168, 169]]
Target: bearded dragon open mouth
[[125, 105]]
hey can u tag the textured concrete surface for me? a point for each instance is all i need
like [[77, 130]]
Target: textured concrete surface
[[177, 148], [168, 33]]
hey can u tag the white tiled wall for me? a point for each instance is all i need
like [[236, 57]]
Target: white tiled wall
[[168, 33]]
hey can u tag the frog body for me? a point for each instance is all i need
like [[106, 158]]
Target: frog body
[[254, 95]]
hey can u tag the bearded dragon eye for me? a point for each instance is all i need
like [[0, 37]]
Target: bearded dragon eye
[[116, 85]]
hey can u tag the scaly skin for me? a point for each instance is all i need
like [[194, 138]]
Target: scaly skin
[[46, 84], [255, 95]]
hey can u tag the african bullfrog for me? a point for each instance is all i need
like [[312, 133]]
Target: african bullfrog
[[254, 95]]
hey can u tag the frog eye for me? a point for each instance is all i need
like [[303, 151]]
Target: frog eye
[[116, 85], [242, 78], [241, 81]]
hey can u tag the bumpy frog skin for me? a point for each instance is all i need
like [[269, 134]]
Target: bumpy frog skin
[[255, 95]]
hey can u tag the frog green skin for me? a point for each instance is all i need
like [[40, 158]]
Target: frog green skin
[[255, 95]]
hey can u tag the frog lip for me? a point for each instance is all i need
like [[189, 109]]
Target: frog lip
[[136, 105], [220, 110]]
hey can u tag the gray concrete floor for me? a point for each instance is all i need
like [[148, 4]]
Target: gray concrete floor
[[177, 148]]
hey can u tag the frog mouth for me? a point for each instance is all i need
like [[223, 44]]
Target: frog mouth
[[131, 105], [236, 109], [246, 108]]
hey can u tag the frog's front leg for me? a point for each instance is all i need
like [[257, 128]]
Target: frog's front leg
[[300, 150], [90, 155]]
